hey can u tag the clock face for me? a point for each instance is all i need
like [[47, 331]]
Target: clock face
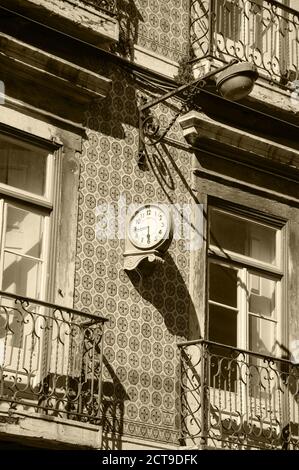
[[148, 226]]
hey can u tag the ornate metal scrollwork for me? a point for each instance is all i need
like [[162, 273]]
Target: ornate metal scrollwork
[[108, 6], [264, 33], [50, 359], [237, 399], [150, 127]]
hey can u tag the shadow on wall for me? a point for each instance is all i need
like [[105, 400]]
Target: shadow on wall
[[128, 19], [163, 166], [172, 181], [175, 304], [114, 396]]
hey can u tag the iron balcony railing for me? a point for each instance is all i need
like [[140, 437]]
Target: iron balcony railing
[[237, 399], [50, 359], [265, 33], [107, 6]]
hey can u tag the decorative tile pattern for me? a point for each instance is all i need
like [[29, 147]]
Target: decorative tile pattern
[[160, 26], [146, 316]]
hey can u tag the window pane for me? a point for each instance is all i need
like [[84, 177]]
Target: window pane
[[262, 296], [262, 335], [244, 237], [22, 166], [222, 325], [21, 276], [222, 329], [24, 231], [228, 19], [223, 285], [11, 327]]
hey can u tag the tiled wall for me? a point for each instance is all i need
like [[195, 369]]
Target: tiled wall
[[160, 26], [147, 315]]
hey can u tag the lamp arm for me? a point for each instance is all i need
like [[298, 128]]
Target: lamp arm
[[149, 125], [181, 88], [234, 84]]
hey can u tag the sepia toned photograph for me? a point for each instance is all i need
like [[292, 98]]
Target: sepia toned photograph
[[149, 228]]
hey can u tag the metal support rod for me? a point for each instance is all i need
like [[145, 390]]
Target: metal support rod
[[154, 125], [186, 86], [57, 307], [203, 402], [211, 19]]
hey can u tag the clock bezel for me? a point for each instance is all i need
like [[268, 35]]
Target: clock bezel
[[162, 242]]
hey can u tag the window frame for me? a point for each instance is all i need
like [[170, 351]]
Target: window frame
[[246, 265], [47, 205], [45, 201]]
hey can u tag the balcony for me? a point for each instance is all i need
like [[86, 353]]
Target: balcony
[[91, 21], [107, 6], [236, 399], [263, 32], [50, 361]]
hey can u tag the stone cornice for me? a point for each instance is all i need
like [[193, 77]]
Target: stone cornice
[[50, 71], [199, 127], [74, 17]]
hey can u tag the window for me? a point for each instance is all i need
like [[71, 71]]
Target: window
[[245, 281], [25, 176], [228, 19], [26, 206], [22, 166]]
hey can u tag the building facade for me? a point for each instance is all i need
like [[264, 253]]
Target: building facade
[[106, 343]]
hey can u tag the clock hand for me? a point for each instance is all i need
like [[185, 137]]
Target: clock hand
[[148, 235]]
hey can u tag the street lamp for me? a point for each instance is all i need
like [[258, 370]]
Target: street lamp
[[235, 81]]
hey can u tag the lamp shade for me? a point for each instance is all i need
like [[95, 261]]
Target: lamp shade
[[237, 81]]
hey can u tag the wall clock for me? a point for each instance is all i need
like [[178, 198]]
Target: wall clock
[[149, 232]]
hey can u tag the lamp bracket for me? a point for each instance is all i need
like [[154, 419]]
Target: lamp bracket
[[151, 130]]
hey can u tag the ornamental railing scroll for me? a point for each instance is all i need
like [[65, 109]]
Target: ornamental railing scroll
[[265, 33], [237, 399], [50, 359], [107, 6]]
